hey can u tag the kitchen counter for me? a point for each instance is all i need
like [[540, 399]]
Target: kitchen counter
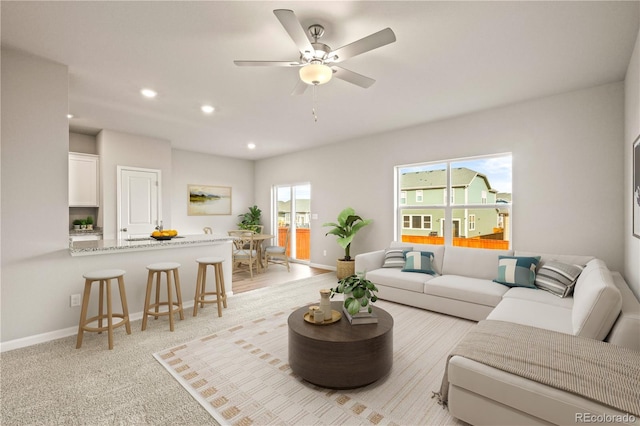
[[98, 247], [80, 232]]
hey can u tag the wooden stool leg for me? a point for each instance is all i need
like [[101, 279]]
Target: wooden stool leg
[[220, 277], [169, 300], [157, 309], [147, 300], [176, 280], [125, 306], [109, 314], [100, 304], [218, 291], [196, 299], [83, 312]]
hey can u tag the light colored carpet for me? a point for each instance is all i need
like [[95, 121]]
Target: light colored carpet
[[241, 375], [55, 384]]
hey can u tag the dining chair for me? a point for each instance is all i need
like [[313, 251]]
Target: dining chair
[[277, 254], [244, 249]]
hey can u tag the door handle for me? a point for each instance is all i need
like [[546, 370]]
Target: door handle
[[124, 230]]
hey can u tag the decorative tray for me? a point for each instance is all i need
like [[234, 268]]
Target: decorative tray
[[335, 317], [164, 237]]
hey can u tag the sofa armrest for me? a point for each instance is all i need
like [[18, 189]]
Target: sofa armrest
[[626, 330], [369, 261]]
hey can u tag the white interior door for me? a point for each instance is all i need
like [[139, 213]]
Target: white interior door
[[138, 202]]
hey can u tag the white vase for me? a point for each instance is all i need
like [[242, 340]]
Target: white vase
[[325, 303]]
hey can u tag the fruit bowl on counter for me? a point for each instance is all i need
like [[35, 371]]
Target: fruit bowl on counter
[[166, 234]]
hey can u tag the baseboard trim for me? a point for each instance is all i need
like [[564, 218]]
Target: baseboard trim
[[36, 339]]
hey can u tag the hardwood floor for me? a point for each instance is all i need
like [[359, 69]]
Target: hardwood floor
[[276, 274]]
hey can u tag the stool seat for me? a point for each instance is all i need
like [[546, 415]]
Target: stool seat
[[104, 274], [104, 277], [201, 282], [153, 309], [210, 260], [164, 266]]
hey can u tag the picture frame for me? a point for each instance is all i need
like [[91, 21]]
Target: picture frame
[[635, 190], [208, 200]]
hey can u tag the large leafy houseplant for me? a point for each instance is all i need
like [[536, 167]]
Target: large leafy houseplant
[[349, 223], [359, 293], [251, 219]]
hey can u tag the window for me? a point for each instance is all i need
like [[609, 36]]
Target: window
[[470, 199], [416, 222]]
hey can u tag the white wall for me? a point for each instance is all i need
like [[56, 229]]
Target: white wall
[[202, 169], [567, 173], [122, 149], [35, 206], [79, 142], [632, 130]]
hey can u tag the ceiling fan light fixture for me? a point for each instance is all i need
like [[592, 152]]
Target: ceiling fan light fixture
[[316, 74]]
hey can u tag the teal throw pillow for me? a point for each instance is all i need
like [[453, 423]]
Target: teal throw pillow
[[419, 261], [516, 271]]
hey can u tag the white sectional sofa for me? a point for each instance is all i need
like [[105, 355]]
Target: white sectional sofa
[[602, 307]]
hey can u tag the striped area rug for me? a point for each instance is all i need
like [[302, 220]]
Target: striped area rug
[[241, 375]]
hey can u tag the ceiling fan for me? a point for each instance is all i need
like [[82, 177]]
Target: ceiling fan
[[317, 60]]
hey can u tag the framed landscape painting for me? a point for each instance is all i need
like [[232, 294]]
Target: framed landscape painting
[[208, 200], [636, 188]]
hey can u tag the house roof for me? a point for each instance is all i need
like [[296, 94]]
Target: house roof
[[432, 179]]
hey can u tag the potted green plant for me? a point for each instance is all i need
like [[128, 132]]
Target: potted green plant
[[89, 222], [359, 293], [76, 224], [349, 223], [251, 219], [83, 224]]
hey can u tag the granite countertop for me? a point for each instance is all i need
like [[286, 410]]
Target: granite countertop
[[84, 248]]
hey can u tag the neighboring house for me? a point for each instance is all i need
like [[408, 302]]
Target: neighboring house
[[428, 188], [302, 213]]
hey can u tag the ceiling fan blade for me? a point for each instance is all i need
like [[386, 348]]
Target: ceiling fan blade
[[352, 77], [293, 27], [300, 88], [267, 63], [373, 41]]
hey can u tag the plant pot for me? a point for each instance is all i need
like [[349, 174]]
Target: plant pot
[[90, 227], [345, 268], [76, 227]]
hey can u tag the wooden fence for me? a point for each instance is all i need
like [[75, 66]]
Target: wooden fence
[[303, 242], [460, 242]]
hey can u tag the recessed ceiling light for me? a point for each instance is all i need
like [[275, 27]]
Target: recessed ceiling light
[[148, 93], [207, 109], [69, 115], [251, 145]]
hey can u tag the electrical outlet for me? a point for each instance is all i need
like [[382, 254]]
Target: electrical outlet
[[76, 300]]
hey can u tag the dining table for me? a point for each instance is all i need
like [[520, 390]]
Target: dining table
[[260, 239]]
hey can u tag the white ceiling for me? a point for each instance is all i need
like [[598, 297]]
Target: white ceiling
[[450, 58]]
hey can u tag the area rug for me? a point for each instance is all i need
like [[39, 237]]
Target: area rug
[[241, 375]]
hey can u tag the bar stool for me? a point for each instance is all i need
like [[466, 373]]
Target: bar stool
[[172, 307], [201, 293], [104, 277]]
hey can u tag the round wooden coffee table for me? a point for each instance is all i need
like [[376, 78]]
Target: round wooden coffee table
[[340, 355]]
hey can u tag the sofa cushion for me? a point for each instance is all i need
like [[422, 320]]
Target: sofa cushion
[[533, 313], [514, 271], [394, 277], [596, 301], [470, 262], [472, 290], [537, 295], [394, 257], [419, 261], [558, 278], [437, 250]]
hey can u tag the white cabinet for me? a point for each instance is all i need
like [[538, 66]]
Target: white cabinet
[[92, 237], [84, 180]]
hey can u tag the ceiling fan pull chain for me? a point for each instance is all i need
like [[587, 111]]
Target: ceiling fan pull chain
[[313, 104]]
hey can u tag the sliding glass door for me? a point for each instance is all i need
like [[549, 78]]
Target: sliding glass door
[[292, 213]]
